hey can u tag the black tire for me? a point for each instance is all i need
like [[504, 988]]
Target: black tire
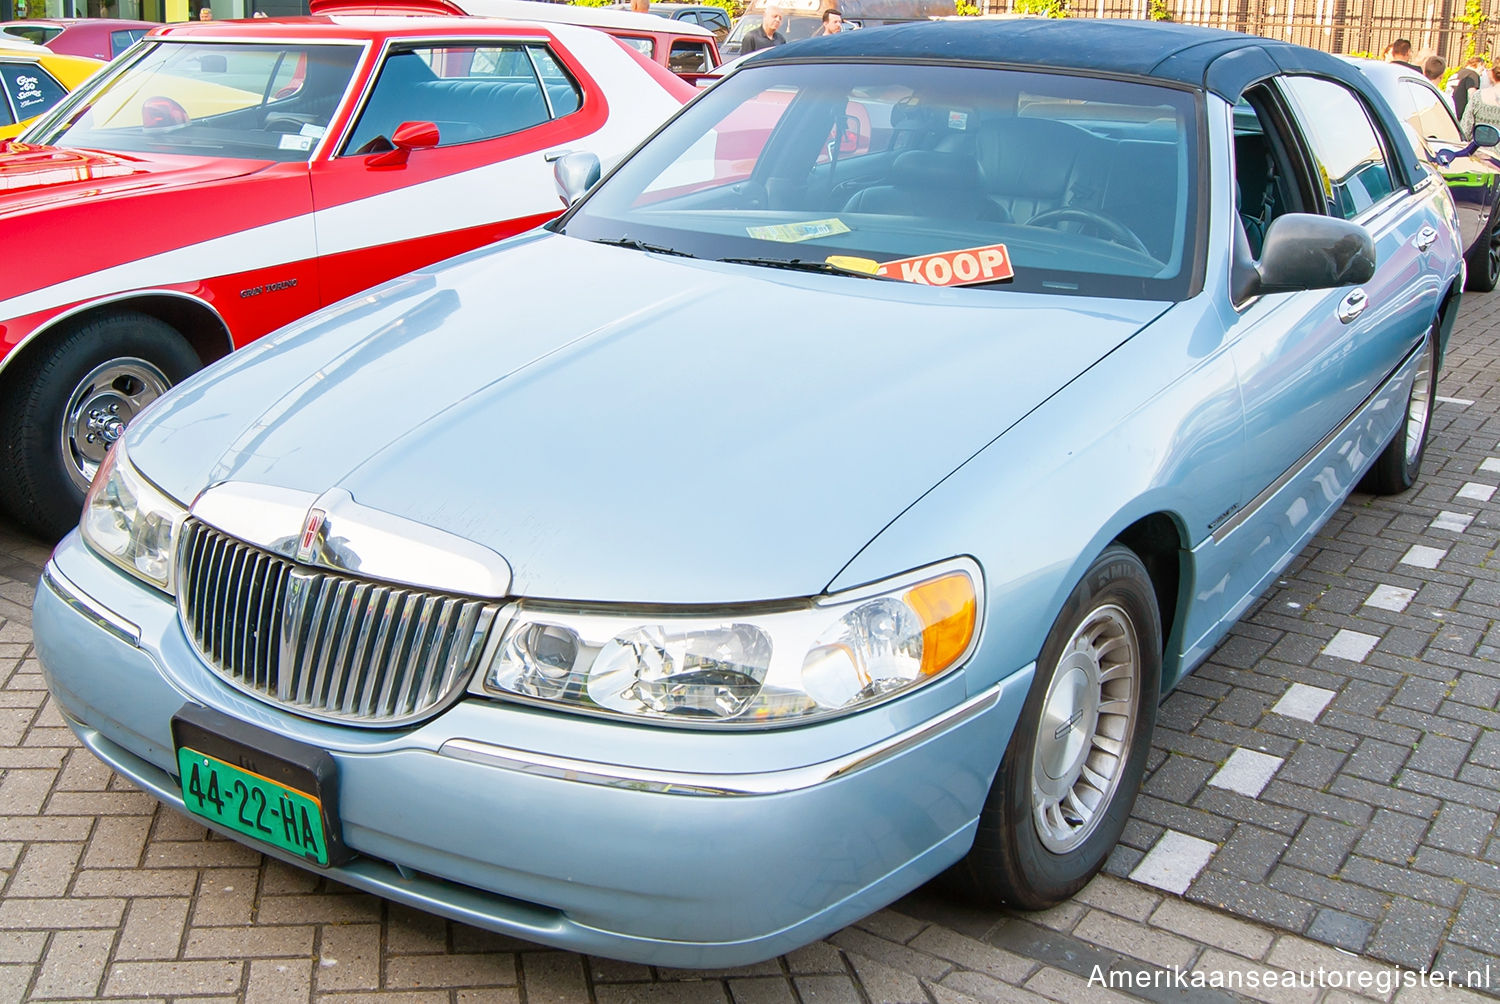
[[110, 366], [1400, 463], [1484, 261], [1025, 855]]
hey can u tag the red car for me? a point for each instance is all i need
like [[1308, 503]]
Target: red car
[[687, 49], [96, 37], [249, 173]]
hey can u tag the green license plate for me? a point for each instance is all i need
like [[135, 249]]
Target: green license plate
[[253, 805]]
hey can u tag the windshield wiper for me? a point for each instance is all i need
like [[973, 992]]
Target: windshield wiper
[[631, 242], [806, 265]]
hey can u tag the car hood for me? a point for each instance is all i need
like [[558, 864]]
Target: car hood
[[34, 177], [630, 427]]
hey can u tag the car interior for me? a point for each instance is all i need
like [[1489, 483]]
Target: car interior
[[465, 107]]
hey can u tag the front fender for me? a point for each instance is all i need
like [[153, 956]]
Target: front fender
[[1153, 429]]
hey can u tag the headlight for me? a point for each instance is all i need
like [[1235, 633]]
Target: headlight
[[130, 522], [822, 657]]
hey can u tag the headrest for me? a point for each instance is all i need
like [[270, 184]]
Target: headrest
[[938, 171], [1031, 158]]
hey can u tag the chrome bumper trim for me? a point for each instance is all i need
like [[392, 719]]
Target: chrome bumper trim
[[89, 607], [728, 785]]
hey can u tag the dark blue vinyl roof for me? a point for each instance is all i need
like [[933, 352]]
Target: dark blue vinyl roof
[[1220, 62]]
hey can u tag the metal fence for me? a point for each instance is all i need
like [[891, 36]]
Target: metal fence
[[1340, 26]]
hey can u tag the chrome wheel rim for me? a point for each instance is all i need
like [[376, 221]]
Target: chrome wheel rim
[[1492, 260], [1419, 407], [1087, 723], [100, 407]]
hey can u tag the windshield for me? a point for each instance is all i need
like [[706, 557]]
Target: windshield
[[254, 101], [942, 175]]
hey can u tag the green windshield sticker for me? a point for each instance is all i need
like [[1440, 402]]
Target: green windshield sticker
[[791, 233]]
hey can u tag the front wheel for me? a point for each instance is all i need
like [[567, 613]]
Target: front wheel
[[1074, 764], [1397, 467], [66, 404]]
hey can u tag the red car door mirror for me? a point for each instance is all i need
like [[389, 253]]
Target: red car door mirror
[[408, 136]]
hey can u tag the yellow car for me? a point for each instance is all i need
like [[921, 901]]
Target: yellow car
[[32, 79]]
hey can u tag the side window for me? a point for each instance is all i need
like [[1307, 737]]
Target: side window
[[119, 41], [32, 90], [562, 90], [689, 57], [1264, 177], [470, 92], [1428, 114], [1350, 156], [645, 46]]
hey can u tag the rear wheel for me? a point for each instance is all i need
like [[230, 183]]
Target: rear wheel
[[1484, 261], [67, 404], [1074, 764], [1398, 466]]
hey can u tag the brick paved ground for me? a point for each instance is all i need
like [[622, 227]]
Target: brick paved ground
[[1323, 798]]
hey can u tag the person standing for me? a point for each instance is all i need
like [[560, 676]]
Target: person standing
[[767, 34], [833, 22], [1399, 51], [1464, 83]]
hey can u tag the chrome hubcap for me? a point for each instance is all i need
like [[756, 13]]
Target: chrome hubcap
[[100, 407], [1088, 719], [1419, 408]]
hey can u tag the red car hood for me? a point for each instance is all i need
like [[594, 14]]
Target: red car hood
[[35, 176]]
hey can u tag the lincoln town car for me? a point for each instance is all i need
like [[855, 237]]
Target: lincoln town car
[[514, 591]]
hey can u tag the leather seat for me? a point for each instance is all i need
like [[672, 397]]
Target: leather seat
[[931, 184]]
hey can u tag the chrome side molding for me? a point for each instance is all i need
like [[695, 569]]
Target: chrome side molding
[[671, 782]]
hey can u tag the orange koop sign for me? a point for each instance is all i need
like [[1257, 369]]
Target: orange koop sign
[[952, 268]]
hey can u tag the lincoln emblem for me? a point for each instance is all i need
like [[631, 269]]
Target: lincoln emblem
[[309, 534]]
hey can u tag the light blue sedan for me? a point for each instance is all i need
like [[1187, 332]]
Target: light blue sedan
[[823, 503]]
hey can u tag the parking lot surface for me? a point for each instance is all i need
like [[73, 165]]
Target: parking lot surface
[[1319, 823]]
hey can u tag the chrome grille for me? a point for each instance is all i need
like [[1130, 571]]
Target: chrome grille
[[323, 643]]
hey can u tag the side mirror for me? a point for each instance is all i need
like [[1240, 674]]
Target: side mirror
[[575, 173], [1303, 251], [408, 136], [1486, 135]]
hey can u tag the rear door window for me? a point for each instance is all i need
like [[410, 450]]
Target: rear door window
[[119, 41], [690, 57], [562, 90], [1428, 114], [645, 45], [30, 88], [1352, 165]]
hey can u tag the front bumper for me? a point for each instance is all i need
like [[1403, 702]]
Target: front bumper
[[662, 846]]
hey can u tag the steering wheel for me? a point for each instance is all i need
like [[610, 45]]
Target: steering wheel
[[161, 113], [284, 122], [1114, 231]]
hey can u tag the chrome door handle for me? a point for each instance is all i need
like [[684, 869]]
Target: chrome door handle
[[1353, 305], [1425, 237]]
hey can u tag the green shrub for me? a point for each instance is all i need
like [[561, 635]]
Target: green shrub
[[1047, 8]]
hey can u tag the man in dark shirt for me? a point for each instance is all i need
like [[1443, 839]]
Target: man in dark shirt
[[1399, 51], [1465, 82], [766, 35]]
